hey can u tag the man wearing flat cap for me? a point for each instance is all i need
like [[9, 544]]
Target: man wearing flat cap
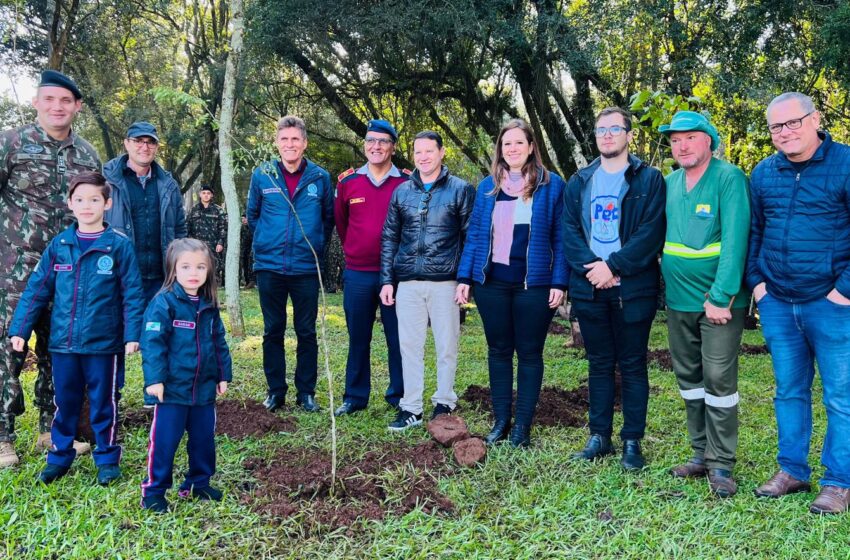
[[360, 208], [37, 161], [705, 250], [146, 203], [208, 222]]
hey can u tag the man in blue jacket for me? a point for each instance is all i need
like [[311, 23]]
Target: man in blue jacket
[[146, 203], [613, 232], [291, 214], [797, 267]]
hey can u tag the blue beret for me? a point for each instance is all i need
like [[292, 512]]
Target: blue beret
[[58, 79], [380, 125], [142, 128]]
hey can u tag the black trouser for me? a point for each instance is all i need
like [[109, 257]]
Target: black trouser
[[617, 332], [274, 289], [515, 320]]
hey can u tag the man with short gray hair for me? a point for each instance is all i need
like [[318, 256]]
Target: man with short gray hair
[[291, 215], [798, 267]]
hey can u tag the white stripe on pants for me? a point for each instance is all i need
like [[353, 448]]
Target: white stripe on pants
[[416, 301]]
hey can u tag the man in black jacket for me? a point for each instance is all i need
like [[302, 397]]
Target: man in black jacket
[[613, 232], [421, 244]]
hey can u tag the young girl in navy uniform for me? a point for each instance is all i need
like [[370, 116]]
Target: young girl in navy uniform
[[186, 362], [90, 273]]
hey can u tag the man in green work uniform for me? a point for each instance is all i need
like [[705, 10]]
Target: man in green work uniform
[[705, 249], [37, 161]]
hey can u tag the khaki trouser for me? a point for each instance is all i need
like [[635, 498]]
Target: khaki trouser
[[705, 360], [416, 302]]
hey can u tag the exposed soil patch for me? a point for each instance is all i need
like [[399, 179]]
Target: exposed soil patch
[[753, 349], [556, 327], [556, 407], [393, 480], [241, 419], [661, 359]]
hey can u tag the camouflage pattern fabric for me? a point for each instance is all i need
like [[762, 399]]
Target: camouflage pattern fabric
[[210, 226], [246, 256], [35, 171]]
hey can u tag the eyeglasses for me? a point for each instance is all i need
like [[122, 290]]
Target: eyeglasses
[[614, 130], [370, 141], [146, 143], [423, 203], [793, 124]]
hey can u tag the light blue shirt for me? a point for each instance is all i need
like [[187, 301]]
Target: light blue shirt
[[605, 212]]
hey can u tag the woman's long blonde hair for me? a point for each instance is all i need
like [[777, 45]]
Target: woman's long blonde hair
[[530, 167], [188, 245]]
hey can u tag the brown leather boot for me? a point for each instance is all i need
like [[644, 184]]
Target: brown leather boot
[[8, 457], [781, 484], [692, 469], [831, 499], [44, 442], [721, 483]]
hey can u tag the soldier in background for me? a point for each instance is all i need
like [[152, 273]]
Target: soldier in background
[[37, 161], [208, 222], [246, 254]]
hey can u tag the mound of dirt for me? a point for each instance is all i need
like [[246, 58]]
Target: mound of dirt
[[661, 359], [556, 407], [297, 482], [753, 349], [447, 429], [241, 419]]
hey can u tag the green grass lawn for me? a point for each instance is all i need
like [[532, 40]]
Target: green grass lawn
[[519, 504]]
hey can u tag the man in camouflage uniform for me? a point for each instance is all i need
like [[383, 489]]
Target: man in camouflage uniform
[[246, 256], [208, 222], [37, 161]]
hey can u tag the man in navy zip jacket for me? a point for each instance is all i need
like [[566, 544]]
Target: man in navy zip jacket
[[798, 267], [291, 214], [613, 232]]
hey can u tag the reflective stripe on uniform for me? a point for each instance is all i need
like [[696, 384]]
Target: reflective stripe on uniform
[[722, 402], [697, 394], [680, 250]]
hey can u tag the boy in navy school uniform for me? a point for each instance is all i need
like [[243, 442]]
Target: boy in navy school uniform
[[91, 274], [186, 363]]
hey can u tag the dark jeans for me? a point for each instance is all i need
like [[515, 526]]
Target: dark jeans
[[360, 301], [515, 320], [274, 289], [616, 332]]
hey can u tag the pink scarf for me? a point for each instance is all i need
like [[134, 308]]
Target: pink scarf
[[503, 217]]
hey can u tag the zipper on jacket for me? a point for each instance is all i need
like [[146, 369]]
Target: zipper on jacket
[[791, 210], [76, 289], [198, 346], [528, 245], [489, 244]]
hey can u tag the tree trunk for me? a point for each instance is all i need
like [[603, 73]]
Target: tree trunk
[[228, 185]]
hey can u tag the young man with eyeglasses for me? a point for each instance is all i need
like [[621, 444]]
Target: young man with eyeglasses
[[799, 270], [360, 208], [147, 205], [703, 262], [421, 245], [613, 233]]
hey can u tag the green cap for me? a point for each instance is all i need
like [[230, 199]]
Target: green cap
[[687, 121]]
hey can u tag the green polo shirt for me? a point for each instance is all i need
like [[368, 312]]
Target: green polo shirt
[[705, 249]]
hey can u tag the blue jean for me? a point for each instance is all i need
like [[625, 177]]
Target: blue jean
[[797, 334], [360, 300]]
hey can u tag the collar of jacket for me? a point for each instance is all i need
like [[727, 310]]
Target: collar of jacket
[[45, 137], [783, 162], [272, 169], [69, 237], [114, 170], [635, 163], [441, 178], [180, 293]]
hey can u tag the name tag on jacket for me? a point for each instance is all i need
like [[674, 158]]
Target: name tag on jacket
[[183, 324]]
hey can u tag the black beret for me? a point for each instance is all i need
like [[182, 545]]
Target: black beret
[[58, 79]]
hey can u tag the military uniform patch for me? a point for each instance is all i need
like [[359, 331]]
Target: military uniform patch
[[347, 173]]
